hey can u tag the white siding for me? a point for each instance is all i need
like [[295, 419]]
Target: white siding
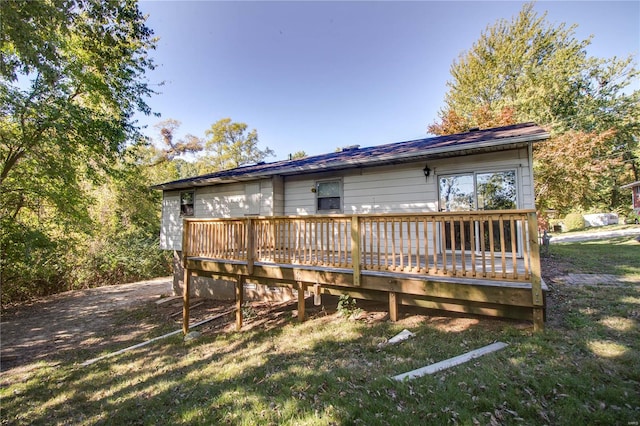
[[298, 198], [374, 190], [404, 188], [221, 201], [171, 222], [399, 189], [226, 200], [276, 207], [388, 189], [268, 196]]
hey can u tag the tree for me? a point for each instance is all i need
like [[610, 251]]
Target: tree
[[298, 155], [71, 80], [229, 146], [530, 70], [171, 148]]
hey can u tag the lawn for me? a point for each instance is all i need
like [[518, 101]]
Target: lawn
[[583, 369]]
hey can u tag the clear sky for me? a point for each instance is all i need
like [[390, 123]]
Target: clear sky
[[314, 76]]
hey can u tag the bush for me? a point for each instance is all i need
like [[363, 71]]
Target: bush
[[34, 265], [122, 259], [347, 306], [573, 222]]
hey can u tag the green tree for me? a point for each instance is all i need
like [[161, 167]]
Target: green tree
[[298, 155], [529, 70], [229, 145], [71, 80]]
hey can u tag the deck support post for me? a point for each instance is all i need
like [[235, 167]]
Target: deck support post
[[536, 273], [393, 306], [355, 249], [301, 289], [317, 295], [187, 275], [239, 301], [186, 301]]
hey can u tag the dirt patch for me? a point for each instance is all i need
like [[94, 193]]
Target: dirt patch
[[66, 325], [594, 279], [75, 326]]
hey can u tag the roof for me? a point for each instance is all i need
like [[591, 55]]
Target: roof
[[631, 185], [495, 139]]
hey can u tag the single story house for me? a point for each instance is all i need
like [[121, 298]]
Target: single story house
[[420, 222]]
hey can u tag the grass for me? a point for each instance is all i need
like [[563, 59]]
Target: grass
[[617, 256], [583, 369], [596, 229]]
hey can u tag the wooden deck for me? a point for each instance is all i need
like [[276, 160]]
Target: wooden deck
[[472, 262]]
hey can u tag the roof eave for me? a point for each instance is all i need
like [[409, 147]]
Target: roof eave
[[474, 147], [630, 185]]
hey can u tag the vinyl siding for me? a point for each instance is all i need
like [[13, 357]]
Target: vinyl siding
[[404, 188], [171, 222], [229, 200], [389, 189]]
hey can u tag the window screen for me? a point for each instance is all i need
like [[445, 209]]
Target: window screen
[[186, 203], [328, 195]]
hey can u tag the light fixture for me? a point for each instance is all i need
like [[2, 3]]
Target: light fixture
[[427, 171]]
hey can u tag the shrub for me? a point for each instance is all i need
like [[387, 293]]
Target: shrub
[[347, 307], [573, 222]]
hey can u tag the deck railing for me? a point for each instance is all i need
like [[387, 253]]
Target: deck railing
[[498, 245]]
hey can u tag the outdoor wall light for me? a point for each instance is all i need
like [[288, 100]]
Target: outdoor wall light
[[427, 171]]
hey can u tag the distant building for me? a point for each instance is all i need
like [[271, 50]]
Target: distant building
[[635, 194]]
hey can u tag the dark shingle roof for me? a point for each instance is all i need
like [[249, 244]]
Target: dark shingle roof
[[498, 138]]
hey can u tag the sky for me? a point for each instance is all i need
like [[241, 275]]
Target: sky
[[315, 76]]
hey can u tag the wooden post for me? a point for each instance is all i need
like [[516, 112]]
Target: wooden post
[[239, 301], [250, 247], [355, 249], [186, 277], [536, 274], [185, 242], [301, 288], [185, 301], [393, 306]]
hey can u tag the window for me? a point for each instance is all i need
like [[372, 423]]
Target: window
[[329, 196], [478, 191], [186, 203], [496, 191]]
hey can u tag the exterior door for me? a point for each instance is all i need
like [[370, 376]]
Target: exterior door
[[478, 191], [457, 193]]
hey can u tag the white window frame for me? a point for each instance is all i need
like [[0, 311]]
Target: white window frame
[[184, 213], [474, 175], [317, 198]]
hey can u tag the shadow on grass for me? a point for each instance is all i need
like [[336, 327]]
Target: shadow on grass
[[617, 256], [329, 370]]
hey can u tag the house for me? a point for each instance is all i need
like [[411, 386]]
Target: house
[[444, 222], [635, 197]]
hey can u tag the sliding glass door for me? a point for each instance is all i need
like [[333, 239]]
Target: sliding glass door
[[477, 191]]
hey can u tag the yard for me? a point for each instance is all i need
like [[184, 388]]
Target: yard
[[583, 369]]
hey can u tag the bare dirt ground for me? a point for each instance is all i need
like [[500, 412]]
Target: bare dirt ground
[[72, 323], [79, 325]]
